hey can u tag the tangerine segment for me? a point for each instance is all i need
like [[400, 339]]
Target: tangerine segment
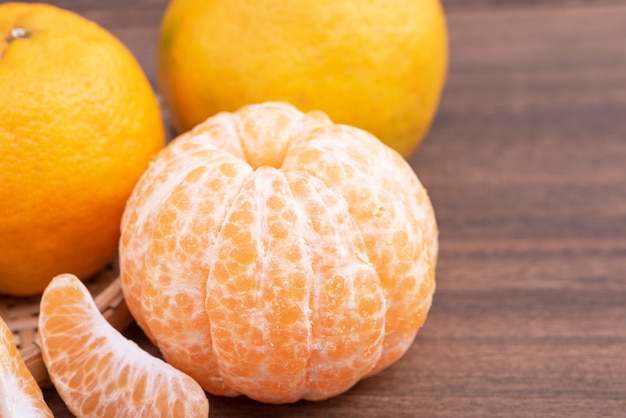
[[258, 292], [392, 212], [139, 218], [296, 311], [178, 253], [20, 396], [97, 371], [347, 302]]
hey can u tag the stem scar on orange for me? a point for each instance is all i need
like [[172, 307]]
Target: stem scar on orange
[[272, 253]]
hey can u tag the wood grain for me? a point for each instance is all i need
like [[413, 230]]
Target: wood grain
[[525, 165]]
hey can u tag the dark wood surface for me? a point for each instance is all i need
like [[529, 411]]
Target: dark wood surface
[[526, 167]]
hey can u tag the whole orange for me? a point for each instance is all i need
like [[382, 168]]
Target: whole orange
[[275, 254], [79, 124], [378, 65]]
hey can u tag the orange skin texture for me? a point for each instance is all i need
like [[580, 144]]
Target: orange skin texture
[[79, 124], [377, 65], [272, 253]]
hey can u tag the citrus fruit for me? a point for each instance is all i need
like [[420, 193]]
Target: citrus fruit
[[20, 395], [377, 65], [272, 253], [79, 123], [97, 371]]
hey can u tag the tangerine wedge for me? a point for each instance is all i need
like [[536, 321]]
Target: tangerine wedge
[[20, 395], [100, 373]]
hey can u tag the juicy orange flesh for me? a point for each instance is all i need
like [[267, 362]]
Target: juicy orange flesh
[[20, 395], [97, 371], [281, 272]]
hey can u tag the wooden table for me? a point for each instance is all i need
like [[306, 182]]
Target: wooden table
[[526, 167]]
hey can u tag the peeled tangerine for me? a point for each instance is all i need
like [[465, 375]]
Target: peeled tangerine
[[272, 253]]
